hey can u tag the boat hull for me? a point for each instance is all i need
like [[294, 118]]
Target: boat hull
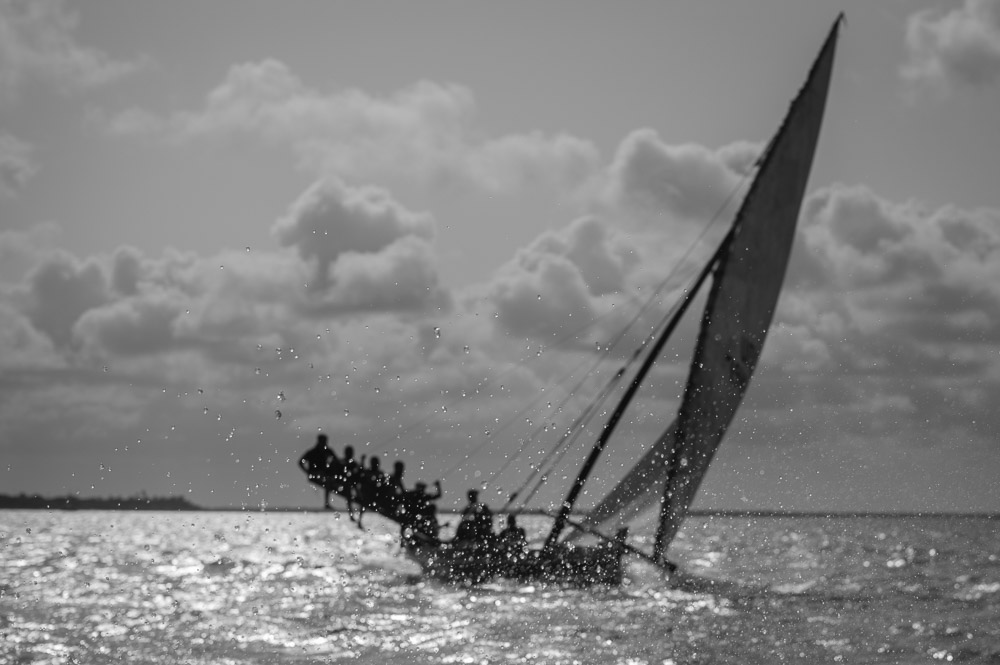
[[476, 563]]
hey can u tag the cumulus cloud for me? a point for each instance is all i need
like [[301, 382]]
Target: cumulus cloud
[[132, 326], [21, 251], [401, 277], [425, 132], [22, 346], [331, 218], [349, 251], [958, 46], [652, 202], [893, 297], [602, 257], [59, 291], [36, 39], [543, 297], [686, 182], [16, 164]]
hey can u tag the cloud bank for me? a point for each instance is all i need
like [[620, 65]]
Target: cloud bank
[[426, 131], [956, 47], [36, 40]]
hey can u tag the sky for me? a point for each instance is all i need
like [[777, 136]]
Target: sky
[[228, 226]]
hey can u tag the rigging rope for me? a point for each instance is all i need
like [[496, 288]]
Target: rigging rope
[[575, 334], [603, 396]]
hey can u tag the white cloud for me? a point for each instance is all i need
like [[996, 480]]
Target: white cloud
[[401, 277], [426, 132], [603, 257], [330, 219], [16, 164], [59, 291], [36, 39], [22, 346], [542, 297], [958, 46], [655, 180], [889, 304], [368, 252]]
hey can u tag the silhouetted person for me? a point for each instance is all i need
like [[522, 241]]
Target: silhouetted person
[[371, 486], [318, 463], [418, 510], [352, 477], [477, 521], [395, 484], [512, 545], [512, 537]]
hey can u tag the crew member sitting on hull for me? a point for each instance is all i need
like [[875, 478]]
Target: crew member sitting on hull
[[476, 527], [418, 512], [351, 474], [396, 490], [371, 486], [512, 538], [512, 546], [320, 464]]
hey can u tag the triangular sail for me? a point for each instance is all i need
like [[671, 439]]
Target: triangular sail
[[736, 320]]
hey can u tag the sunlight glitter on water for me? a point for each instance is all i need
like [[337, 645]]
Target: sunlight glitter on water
[[277, 587]]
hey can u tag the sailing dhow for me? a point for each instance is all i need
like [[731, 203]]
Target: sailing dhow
[[747, 271]]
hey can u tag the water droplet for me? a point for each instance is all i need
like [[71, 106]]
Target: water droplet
[[256, 370], [539, 296], [277, 414], [346, 413], [222, 267], [205, 410], [248, 249], [201, 391]]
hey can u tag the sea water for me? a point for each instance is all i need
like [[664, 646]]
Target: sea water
[[230, 587]]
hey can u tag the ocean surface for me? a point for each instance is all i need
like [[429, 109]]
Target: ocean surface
[[229, 587]]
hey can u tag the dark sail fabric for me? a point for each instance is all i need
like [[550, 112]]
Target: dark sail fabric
[[735, 322]]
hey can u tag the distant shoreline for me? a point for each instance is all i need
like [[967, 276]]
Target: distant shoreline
[[38, 502], [181, 504]]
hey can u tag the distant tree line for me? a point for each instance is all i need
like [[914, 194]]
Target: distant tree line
[[36, 502]]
